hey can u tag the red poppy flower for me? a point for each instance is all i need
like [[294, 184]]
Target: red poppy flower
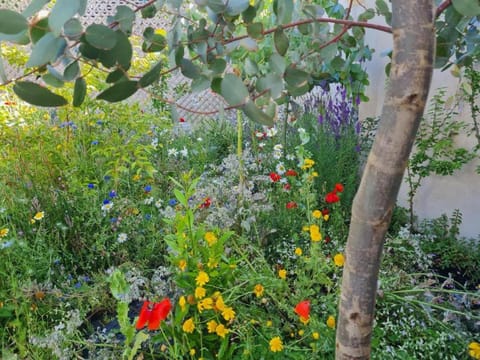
[[291, 172], [275, 177], [152, 314], [182, 119], [331, 198], [303, 309], [325, 212], [206, 203], [339, 187], [327, 239], [291, 205], [286, 187]]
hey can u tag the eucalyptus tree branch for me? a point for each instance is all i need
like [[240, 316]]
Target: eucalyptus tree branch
[[442, 7]]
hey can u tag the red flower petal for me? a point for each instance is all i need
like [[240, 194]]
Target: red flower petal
[[339, 187], [275, 177], [160, 312], [291, 172], [303, 309], [331, 198], [144, 315], [291, 205]]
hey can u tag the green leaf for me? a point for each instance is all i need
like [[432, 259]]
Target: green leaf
[[273, 82], [62, 11], [73, 29], [284, 11], [153, 42], [34, 7], [52, 80], [11, 22], [251, 67], [305, 29], [45, 50], [384, 10], [255, 30], [234, 90], [100, 37], [38, 95], [257, 115], [140, 338], [115, 76], [281, 41], [122, 50], [249, 14], [367, 15], [217, 6], [149, 12], [189, 69], [89, 51], [216, 85], [277, 64], [151, 76], [79, 91], [125, 18], [218, 66], [180, 197], [236, 7], [199, 84], [20, 38], [467, 7], [120, 91], [296, 77], [71, 71], [38, 30]]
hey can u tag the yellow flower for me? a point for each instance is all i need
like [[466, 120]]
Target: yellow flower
[[316, 336], [221, 330], [188, 326], [331, 322], [32, 221], [182, 264], [251, 2], [202, 278], [301, 332], [192, 352], [474, 350], [339, 259], [228, 313], [326, 217], [282, 274], [258, 290], [200, 292], [39, 215], [315, 234], [4, 232], [212, 263], [307, 164], [298, 251], [276, 344], [211, 326], [162, 32], [269, 323], [305, 228], [205, 304], [136, 177], [135, 211], [182, 302], [304, 320], [210, 238], [314, 174], [219, 304], [317, 214]]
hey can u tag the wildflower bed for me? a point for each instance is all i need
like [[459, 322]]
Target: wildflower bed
[[124, 235]]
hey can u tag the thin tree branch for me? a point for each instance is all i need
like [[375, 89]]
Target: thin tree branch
[[441, 8]]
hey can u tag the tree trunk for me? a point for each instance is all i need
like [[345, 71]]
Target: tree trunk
[[410, 75]]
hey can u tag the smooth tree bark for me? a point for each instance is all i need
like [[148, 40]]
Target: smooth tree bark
[[409, 83]]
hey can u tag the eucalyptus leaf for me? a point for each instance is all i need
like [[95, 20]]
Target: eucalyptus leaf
[[37, 95], [11, 22], [125, 18], [122, 51], [38, 30], [73, 29], [281, 41], [79, 91], [467, 7], [199, 84], [189, 69], [234, 90], [218, 66], [46, 50], [277, 63], [257, 115], [217, 6], [71, 71], [21, 38], [100, 36], [62, 11], [255, 30], [236, 7], [284, 11], [295, 77], [119, 91], [251, 67], [272, 82], [115, 76], [151, 76], [34, 7], [51, 80]]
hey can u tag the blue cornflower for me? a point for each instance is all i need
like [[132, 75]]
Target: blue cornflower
[[99, 122], [112, 194], [91, 186], [113, 220], [78, 285], [172, 202], [95, 142], [106, 177], [148, 216], [106, 201], [148, 188]]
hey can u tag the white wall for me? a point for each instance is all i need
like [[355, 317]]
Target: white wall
[[438, 194]]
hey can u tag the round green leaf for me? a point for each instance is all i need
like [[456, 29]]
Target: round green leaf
[[100, 37], [281, 41], [467, 7], [151, 76], [296, 77], [189, 69], [34, 7], [125, 18], [38, 30], [255, 30], [71, 71], [79, 91], [73, 29], [11, 22], [45, 50], [51, 80], [120, 91], [234, 90], [115, 76], [37, 95], [257, 115], [62, 11], [236, 7]]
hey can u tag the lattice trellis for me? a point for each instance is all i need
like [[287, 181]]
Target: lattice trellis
[[97, 12]]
